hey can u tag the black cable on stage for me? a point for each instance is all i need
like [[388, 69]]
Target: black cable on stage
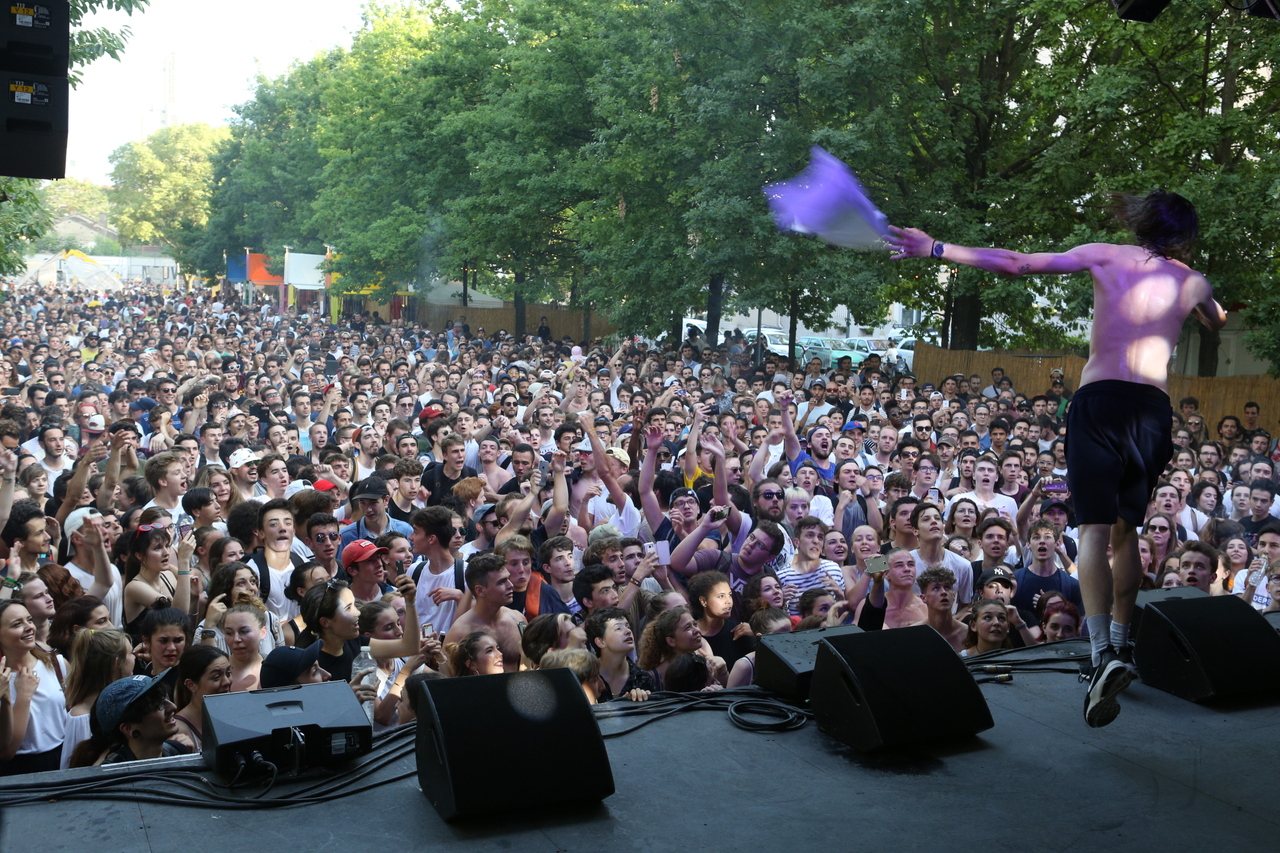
[[740, 705], [203, 793]]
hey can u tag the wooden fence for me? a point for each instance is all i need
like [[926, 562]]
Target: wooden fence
[[1029, 371]]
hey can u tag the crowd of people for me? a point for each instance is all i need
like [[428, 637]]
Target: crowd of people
[[197, 497]]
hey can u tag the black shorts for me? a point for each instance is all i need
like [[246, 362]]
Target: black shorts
[[1119, 439]]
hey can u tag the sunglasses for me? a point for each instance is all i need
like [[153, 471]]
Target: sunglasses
[[772, 496], [327, 537]]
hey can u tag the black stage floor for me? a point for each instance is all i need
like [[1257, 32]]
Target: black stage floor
[[1168, 775]]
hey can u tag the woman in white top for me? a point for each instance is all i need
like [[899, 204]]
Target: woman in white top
[[97, 659], [37, 712], [808, 569]]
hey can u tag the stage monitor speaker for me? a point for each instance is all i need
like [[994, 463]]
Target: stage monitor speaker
[[1145, 11], [897, 687], [294, 727], [471, 729], [784, 662], [1209, 648], [1154, 596]]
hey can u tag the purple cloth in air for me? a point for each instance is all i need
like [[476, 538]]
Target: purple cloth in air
[[827, 200]]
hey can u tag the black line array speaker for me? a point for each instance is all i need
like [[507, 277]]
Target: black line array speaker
[[1208, 648], [892, 688], [35, 43], [471, 729], [784, 662]]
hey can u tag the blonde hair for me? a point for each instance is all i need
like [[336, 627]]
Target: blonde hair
[[95, 656]]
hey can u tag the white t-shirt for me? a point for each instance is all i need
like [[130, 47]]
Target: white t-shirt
[[114, 599], [959, 566], [1261, 598], [47, 722], [604, 512], [439, 616], [820, 506]]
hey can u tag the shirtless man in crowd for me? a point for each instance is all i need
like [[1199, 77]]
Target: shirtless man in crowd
[[1118, 424], [490, 584]]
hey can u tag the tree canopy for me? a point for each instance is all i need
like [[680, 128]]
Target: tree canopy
[[612, 154]]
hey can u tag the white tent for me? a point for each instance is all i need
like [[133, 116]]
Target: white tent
[[76, 267]]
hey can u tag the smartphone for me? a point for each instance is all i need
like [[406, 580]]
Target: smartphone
[[719, 513], [399, 567], [663, 549], [183, 529], [648, 548], [1055, 486], [428, 630], [877, 565]]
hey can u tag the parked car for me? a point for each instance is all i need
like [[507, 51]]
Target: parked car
[[776, 343], [866, 346], [839, 350], [815, 347]]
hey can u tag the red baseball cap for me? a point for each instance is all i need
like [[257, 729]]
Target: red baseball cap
[[359, 551]]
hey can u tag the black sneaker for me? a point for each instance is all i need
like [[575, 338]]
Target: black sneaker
[[1126, 658], [1110, 677]]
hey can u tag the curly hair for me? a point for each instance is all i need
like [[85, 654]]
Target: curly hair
[[654, 648]]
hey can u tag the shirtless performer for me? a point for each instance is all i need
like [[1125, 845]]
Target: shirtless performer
[[490, 583], [938, 591], [1118, 423]]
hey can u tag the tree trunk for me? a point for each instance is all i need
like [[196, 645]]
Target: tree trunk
[[464, 287], [793, 328], [586, 322], [517, 301], [966, 317], [715, 303], [1210, 341]]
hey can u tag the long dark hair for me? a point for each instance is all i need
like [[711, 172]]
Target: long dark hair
[[192, 666], [70, 616], [1164, 223], [138, 544]]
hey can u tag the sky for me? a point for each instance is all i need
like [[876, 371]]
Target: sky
[[216, 51]]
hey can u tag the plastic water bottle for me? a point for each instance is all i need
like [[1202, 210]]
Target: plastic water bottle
[[364, 660]]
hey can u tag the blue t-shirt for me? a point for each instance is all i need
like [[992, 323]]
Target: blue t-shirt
[[1031, 584], [828, 473]]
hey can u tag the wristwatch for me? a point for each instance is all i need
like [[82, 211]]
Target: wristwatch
[[938, 249]]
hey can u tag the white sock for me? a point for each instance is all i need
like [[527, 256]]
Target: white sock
[[1099, 634], [1119, 636]]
